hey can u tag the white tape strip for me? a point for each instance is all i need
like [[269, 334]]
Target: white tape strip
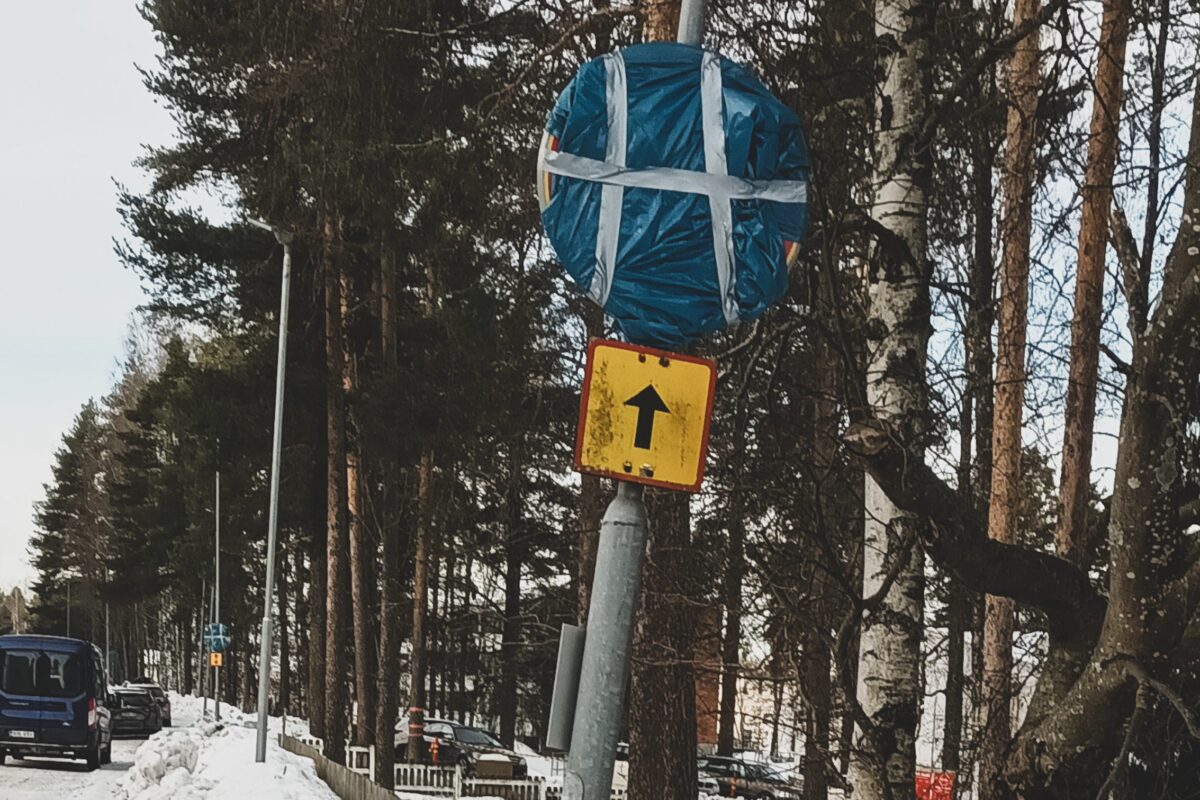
[[670, 179], [715, 182], [612, 196], [713, 121]]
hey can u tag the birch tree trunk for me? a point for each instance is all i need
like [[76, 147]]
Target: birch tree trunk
[[1089, 283], [889, 661], [1024, 73]]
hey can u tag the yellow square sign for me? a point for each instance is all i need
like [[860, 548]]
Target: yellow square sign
[[644, 415], [215, 660]]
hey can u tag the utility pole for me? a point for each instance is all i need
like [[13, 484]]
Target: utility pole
[[264, 653], [68, 609]]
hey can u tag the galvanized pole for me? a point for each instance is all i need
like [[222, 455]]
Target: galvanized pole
[[212, 618], [217, 593], [264, 653], [691, 22], [606, 649], [203, 665]]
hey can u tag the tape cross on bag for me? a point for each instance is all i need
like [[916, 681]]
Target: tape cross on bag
[[715, 182]]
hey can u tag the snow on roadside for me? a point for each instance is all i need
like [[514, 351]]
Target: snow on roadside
[[209, 759]]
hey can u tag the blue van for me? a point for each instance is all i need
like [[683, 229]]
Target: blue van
[[54, 700]]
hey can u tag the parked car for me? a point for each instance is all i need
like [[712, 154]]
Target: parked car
[[136, 712], [459, 745], [54, 700], [747, 779], [707, 785], [160, 697]]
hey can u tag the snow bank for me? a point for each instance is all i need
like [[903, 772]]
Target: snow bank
[[172, 754], [189, 708], [207, 760]]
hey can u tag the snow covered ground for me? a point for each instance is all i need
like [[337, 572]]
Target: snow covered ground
[[198, 759]]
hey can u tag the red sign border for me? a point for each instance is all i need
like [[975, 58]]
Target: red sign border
[[586, 393]]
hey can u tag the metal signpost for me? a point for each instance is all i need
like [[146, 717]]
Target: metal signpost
[[631, 450], [644, 413], [265, 645], [203, 671], [215, 640]]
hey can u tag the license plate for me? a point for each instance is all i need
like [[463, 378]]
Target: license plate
[[20, 734]]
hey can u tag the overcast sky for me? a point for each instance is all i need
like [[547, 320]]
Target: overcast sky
[[73, 117]]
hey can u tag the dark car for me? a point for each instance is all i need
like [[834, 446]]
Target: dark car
[[136, 711], [160, 697], [54, 700], [747, 779], [462, 745]]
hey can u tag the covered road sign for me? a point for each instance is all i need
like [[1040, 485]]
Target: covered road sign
[[644, 415], [216, 636], [674, 189]]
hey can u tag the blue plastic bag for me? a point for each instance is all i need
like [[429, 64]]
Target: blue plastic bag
[[673, 189]]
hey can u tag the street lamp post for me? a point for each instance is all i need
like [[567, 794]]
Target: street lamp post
[[217, 581], [264, 653]]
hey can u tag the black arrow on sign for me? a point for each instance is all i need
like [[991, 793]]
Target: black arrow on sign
[[647, 402]]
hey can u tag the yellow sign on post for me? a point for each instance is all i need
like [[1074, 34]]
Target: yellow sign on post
[[215, 660], [644, 415]]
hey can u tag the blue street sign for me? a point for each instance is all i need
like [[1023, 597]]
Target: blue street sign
[[216, 637], [674, 189]]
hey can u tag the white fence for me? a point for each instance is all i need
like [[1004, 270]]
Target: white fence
[[314, 742], [361, 760], [450, 782]]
